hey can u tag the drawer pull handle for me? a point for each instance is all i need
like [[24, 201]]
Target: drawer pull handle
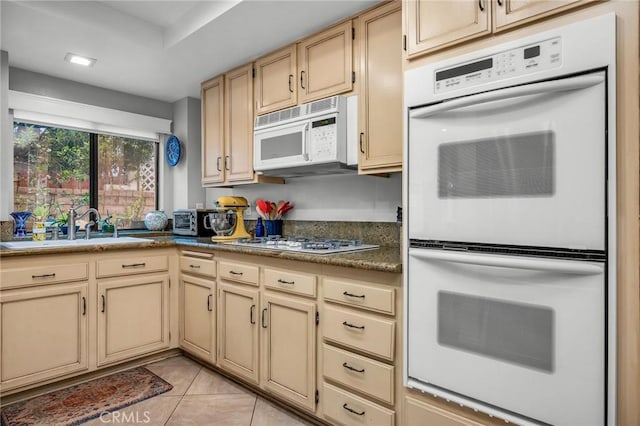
[[84, 305], [281, 281], [33, 277], [134, 265], [359, 327], [351, 410], [348, 367], [346, 293], [209, 308], [104, 302], [194, 266], [251, 319], [264, 311], [235, 273]]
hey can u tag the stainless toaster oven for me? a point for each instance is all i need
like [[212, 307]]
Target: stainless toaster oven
[[191, 222]]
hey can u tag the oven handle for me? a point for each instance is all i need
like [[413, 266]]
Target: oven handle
[[550, 265], [574, 83]]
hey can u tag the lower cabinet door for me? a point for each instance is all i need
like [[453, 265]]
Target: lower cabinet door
[[238, 317], [289, 349], [197, 317], [43, 333], [133, 317]]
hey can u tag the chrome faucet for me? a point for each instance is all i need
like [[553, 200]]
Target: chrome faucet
[[73, 216], [87, 229], [115, 226]]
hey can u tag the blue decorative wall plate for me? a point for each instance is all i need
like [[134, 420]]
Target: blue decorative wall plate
[[173, 150]]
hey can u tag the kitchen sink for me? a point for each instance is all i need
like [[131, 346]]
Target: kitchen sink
[[18, 245]]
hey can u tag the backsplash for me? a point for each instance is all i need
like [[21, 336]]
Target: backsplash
[[380, 233], [348, 198]]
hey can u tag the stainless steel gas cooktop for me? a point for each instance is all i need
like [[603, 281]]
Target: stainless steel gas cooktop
[[309, 245]]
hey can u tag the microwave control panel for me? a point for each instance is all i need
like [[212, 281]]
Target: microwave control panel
[[515, 62], [323, 137]]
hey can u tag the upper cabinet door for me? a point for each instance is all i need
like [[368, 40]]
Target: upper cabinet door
[[380, 100], [325, 63], [212, 131], [238, 89], [276, 86], [436, 24], [509, 13]]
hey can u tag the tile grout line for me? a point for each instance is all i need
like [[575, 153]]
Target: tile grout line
[[253, 413], [183, 395]]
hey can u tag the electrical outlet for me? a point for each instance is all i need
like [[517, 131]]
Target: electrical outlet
[[248, 211]]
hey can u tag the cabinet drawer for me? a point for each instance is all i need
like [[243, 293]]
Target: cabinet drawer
[[196, 265], [38, 275], [420, 413], [290, 282], [357, 372], [360, 331], [348, 409], [363, 296], [239, 272], [134, 264]]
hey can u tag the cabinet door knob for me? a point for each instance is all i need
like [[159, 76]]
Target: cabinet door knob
[[362, 142], [104, 303], [348, 324], [218, 163], [251, 319], [84, 305], [481, 5], [209, 308], [226, 163], [290, 83], [302, 73]]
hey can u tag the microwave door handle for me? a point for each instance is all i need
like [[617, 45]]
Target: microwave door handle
[[305, 142], [510, 92], [554, 265]]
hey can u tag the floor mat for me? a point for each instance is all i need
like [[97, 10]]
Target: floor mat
[[79, 403]]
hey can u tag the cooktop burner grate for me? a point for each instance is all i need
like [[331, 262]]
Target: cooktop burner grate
[[303, 244]]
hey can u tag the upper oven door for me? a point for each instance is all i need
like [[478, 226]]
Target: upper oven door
[[523, 165], [281, 146]]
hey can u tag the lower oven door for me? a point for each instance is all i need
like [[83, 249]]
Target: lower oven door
[[523, 335]]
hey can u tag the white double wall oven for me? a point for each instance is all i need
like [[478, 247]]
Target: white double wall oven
[[510, 236]]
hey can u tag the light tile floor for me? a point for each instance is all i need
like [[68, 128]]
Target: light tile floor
[[199, 397]]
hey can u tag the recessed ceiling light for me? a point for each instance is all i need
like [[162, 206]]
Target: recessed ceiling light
[[79, 60]]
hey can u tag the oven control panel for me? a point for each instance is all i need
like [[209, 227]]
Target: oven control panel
[[515, 62]]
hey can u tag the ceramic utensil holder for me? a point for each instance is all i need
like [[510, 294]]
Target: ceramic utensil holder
[[273, 227]]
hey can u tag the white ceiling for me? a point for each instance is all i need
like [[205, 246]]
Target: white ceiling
[[157, 49]]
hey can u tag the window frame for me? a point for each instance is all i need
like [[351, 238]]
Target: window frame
[[93, 159]]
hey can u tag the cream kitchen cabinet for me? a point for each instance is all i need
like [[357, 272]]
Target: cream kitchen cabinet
[[435, 25], [276, 84], [238, 312], [227, 130], [43, 333], [380, 100], [238, 125], [511, 13], [133, 306], [212, 98], [325, 63], [197, 305], [359, 350], [238, 316], [289, 348]]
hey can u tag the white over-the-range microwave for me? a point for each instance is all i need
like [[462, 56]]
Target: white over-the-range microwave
[[315, 138]]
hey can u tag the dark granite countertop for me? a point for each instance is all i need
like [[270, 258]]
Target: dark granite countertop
[[384, 259]]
